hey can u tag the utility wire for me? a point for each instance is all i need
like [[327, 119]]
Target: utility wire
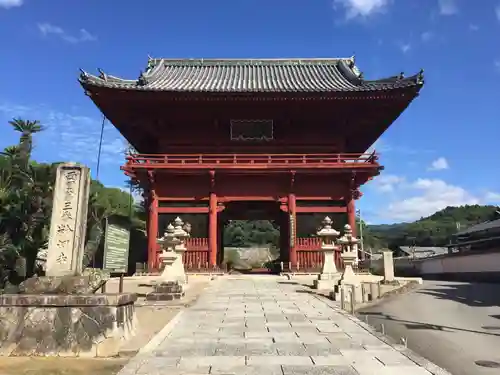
[[97, 169], [100, 147]]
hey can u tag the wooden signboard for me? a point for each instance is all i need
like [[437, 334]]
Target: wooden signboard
[[292, 230], [116, 245]]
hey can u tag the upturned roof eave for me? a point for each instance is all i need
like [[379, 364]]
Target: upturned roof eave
[[346, 77]]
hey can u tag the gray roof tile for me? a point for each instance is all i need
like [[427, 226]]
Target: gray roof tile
[[487, 225], [251, 75]]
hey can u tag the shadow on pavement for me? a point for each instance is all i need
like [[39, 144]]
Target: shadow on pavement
[[421, 326], [471, 294]]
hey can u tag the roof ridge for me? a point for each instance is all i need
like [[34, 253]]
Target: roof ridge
[[253, 59], [249, 61]]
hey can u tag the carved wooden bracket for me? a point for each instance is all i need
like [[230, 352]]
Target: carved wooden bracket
[[212, 179], [356, 194], [354, 187], [151, 178]]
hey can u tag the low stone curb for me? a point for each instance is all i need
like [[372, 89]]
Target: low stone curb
[[410, 354], [160, 336], [388, 295]]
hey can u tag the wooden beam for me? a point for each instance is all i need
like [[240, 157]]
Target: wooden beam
[[302, 198], [182, 199], [182, 210], [321, 209], [248, 198]]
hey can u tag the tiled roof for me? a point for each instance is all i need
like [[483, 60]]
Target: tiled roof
[[487, 225], [251, 75], [424, 252]]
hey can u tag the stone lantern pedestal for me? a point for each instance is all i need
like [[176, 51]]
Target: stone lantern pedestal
[[329, 273], [349, 259]]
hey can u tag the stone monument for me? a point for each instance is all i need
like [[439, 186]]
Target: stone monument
[[329, 273], [64, 256], [69, 220], [389, 277], [60, 314]]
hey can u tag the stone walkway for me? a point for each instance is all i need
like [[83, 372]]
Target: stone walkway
[[266, 326]]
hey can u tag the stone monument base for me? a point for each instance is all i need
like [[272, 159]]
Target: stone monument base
[[88, 283], [391, 282], [347, 285], [324, 282], [166, 291], [65, 325]]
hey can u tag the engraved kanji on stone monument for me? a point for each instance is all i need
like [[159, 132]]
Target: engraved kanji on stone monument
[[69, 220]]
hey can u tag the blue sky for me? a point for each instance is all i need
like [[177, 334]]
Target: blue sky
[[442, 151]]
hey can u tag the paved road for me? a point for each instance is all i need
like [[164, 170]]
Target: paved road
[[450, 323], [266, 326]]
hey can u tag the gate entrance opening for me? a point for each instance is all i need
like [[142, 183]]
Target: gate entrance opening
[[253, 235]]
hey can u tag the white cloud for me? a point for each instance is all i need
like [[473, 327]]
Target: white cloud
[[431, 195], [492, 197], [447, 7], [496, 64], [473, 27], [361, 8], [405, 47], [82, 36], [7, 4], [136, 195], [439, 164], [426, 36], [383, 148], [69, 136], [380, 146], [497, 12], [387, 183]]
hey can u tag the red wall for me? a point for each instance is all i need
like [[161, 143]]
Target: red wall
[[186, 127], [236, 185]]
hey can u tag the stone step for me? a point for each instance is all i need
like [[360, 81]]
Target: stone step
[[168, 289], [154, 296]]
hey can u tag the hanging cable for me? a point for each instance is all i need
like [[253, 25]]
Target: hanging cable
[[100, 147], [97, 170]]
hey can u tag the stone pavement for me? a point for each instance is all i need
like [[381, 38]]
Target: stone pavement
[[268, 326]]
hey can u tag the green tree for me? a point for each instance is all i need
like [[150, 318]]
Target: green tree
[[26, 193], [27, 128]]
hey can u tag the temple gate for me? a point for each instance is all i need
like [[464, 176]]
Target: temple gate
[[214, 137]]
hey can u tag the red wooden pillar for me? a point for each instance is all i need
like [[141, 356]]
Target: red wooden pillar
[[152, 232], [212, 229], [292, 205], [351, 215]]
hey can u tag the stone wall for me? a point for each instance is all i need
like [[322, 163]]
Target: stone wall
[[471, 266], [65, 325]]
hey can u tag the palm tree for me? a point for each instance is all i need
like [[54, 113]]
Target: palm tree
[[11, 152], [27, 128]]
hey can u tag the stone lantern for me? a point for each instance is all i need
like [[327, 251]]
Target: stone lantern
[[181, 233], [173, 247], [329, 274], [349, 254]]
